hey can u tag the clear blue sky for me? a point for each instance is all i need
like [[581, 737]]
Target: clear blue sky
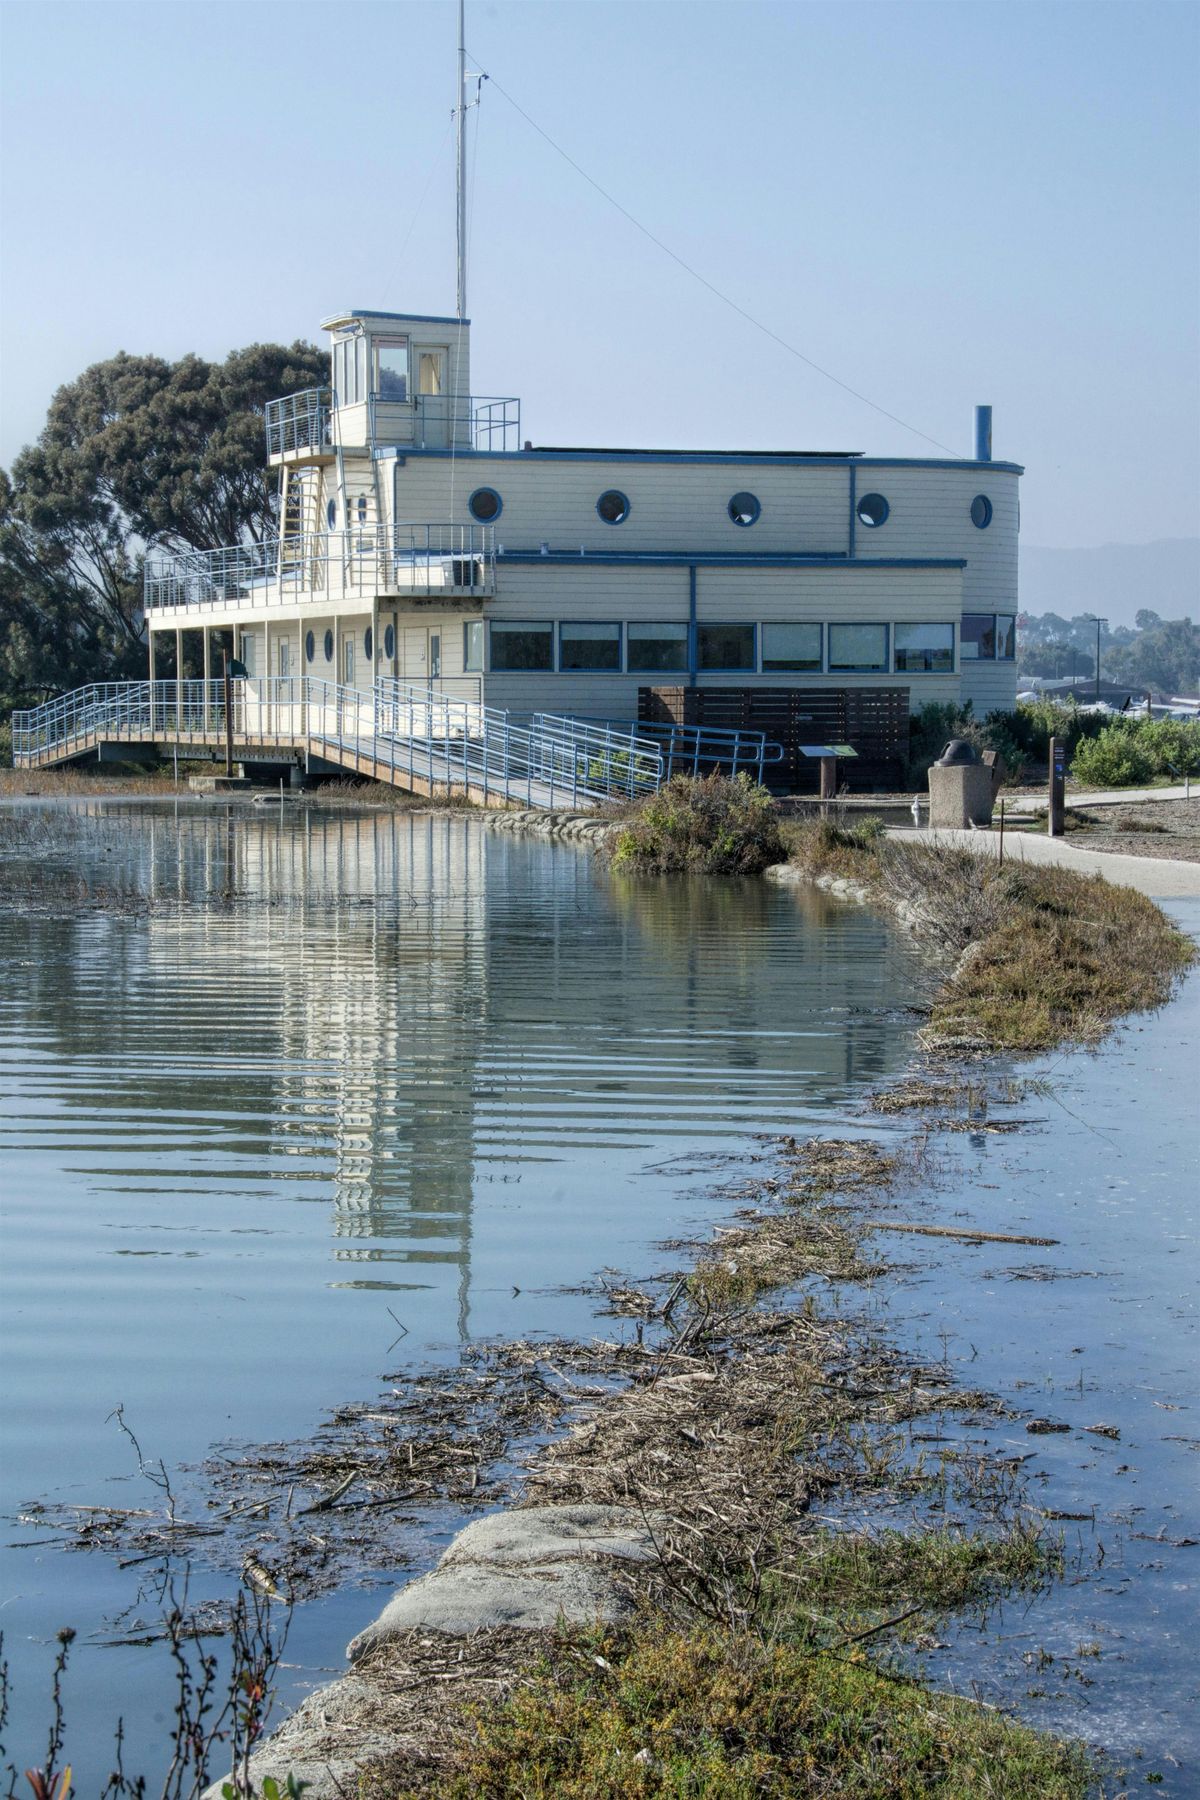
[[941, 203]]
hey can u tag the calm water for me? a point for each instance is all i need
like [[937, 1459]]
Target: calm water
[[396, 1067], [386, 1069]]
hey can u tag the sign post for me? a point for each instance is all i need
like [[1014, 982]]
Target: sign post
[[1058, 786]]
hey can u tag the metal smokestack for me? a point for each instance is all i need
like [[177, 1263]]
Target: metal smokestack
[[983, 434]]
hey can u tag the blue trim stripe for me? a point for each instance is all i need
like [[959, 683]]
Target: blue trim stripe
[[762, 560], [715, 458]]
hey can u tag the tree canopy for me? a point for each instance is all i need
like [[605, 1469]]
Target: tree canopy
[[137, 450]]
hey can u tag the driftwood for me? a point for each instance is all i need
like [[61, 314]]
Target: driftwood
[[959, 1231]]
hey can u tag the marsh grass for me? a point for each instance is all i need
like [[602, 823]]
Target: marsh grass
[[1033, 956], [711, 1714]]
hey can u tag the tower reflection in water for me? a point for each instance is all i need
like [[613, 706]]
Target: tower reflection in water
[[388, 1011]]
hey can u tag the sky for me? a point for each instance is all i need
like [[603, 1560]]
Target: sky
[[939, 202]]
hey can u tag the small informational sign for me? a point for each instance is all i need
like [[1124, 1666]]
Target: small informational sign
[[1058, 786]]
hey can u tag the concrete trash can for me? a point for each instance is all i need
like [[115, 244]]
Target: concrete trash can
[[960, 789]]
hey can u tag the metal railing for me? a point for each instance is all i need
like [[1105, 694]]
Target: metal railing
[[575, 762], [694, 749], [468, 421], [304, 421], [404, 734], [298, 421], [427, 560]]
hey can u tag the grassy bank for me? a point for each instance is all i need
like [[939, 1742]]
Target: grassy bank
[[1030, 957]]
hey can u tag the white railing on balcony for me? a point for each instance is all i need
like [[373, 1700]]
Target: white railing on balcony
[[419, 560], [305, 421], [398, 733], [298, 421]]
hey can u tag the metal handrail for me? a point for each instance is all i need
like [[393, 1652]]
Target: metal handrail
[[299, 421], [402, 731], [696, 749], [416, 557]]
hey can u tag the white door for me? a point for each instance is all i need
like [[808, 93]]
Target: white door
[[285, 658], [416, 656]]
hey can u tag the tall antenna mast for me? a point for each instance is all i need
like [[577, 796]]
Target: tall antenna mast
[[462, 160]]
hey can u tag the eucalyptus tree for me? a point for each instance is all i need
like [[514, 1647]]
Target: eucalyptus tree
[[137, 450]]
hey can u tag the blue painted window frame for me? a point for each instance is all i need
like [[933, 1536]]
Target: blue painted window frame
[[779, 666], [742, 668], [570, 625], [389, 641], [473, 662], [492, 517], [610, 493], [640, 630], [984, 505], [310, 646], [874, 668], [331, 514], [866, 500], [505, 625], [754, 509], [328, 646]]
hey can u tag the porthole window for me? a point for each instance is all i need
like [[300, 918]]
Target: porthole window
[[331, 515], [981, 511], [310, 646], [389, 641], [485, 505], [368, 642], [329, 646], [873, 509], [744, 509], [613, 507]]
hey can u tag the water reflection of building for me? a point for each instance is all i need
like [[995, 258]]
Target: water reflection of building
[[370, 1008]]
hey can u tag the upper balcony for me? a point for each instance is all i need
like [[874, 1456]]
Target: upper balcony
[[415, 562], [308, 426]]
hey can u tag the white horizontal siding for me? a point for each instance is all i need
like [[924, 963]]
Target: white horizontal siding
[[989, 686], [930, 515], [673, 506]]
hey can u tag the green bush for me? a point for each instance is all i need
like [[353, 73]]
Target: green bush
[[714, 826], [1172, 744], [1116, 758]]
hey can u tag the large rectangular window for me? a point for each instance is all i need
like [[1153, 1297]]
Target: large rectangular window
[[391, 368], [1006, 637], [978, 638], [725, 646], [522, 647], [791, 647], [858, 649], [473, 646], [925, 649], [655, 649], [589, 646]]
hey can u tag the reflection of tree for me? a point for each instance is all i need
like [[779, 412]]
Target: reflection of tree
[[758, 960]]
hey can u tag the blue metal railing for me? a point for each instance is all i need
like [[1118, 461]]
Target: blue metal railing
[[405, 735], [694, 749]]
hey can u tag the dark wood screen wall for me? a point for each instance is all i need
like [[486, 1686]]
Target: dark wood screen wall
[[874, 720]]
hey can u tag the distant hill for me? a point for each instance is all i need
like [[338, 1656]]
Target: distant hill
[[1114, 580]]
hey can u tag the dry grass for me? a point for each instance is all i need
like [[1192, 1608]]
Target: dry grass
[[1040, 955]]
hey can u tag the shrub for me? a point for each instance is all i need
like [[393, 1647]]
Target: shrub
[[1172, 744], [714, 826], [1117, 758]]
